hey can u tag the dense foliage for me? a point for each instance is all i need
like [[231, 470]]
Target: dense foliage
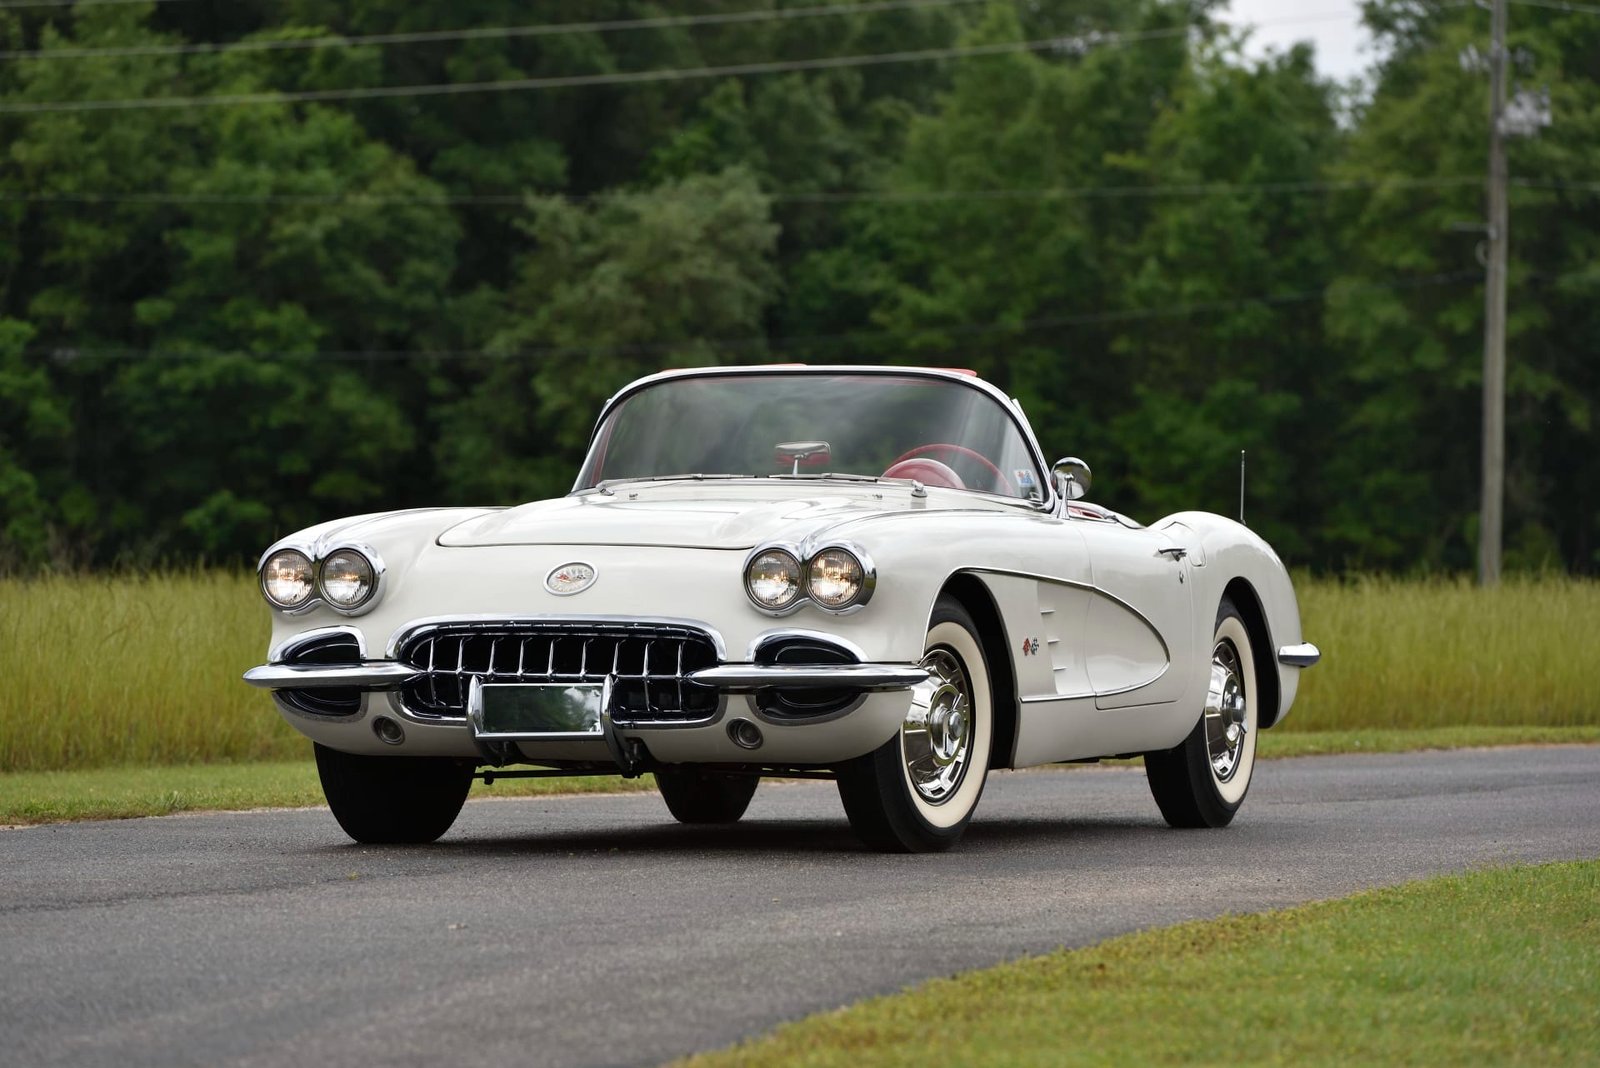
[[219, 323]]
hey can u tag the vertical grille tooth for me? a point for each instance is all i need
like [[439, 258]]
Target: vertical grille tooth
[[647, 662]]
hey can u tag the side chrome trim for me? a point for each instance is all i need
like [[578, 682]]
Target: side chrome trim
[[367, 675], [1090, 694], [741, 678], [1088, 587], [1303, 655]]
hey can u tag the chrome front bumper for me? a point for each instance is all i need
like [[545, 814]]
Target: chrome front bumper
[[367, 675], [728, 678]]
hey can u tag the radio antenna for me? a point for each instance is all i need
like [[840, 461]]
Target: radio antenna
[[1241, 487]]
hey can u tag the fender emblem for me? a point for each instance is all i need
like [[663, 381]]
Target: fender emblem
[[1030, 647], [567, 579]]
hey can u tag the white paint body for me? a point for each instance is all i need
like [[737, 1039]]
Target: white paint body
[[1106, 639]]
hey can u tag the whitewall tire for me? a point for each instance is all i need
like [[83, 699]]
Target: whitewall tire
[[917, 792], [1202, 781]]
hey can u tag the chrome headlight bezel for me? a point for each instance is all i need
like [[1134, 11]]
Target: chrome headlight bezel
[[851, 561], [796, 594], [318, 555], [805, 556], [307, 564], [371, 580]]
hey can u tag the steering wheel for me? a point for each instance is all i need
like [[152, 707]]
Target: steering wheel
[[959, 450]]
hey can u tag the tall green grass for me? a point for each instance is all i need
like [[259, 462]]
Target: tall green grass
[[100, 671], [1442, 652], [97, 671]]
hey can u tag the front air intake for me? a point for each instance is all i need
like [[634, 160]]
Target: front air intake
[[336, 648], [648, 664]]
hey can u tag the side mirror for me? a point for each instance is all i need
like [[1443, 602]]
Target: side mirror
[[1072, 478]]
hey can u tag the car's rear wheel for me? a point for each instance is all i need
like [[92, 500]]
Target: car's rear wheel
[[916, 793], [393, 800], [695, 796], [1201, 782]]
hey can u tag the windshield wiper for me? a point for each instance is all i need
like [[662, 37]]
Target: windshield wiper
[[604, 485], [843, 476]]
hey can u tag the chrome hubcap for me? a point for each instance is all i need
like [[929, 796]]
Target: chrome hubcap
[[1225, 712], [936, 737]]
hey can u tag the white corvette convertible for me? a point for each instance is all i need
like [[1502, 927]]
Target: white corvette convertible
[[863, 574]]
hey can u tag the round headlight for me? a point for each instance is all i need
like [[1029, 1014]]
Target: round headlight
[[287, 579], [836, 577], [773, 579], [348, 579]]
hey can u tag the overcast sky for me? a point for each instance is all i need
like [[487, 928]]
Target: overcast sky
[[1333, 26]]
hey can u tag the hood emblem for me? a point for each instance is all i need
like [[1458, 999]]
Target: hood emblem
[[567, 579]]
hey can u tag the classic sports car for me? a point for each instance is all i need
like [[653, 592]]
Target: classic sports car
[[866, 574]]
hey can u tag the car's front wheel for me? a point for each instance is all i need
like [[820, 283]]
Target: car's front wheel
[[1201, 782], [695, 796], [393, 800], [916, 793]]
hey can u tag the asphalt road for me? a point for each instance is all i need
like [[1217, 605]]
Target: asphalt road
[[596, 931]]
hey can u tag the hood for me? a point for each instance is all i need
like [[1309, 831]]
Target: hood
[[695, 515]]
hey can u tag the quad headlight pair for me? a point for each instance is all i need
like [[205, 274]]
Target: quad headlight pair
[[835, 578], [347, 579]]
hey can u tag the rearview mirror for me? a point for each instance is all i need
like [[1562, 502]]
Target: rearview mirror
[[1072, 478]]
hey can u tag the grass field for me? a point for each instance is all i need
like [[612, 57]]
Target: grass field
[[103, 671], [1407, 653], [1494, 967]]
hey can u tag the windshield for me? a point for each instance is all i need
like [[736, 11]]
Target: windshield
[[936, 431]]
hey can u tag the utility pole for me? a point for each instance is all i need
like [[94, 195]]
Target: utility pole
[[1491, 520]]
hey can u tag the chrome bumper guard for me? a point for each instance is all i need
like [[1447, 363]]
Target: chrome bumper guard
[[728, 678], [367, 675], [1301, 656]]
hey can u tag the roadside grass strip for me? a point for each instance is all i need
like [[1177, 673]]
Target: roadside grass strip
[[123, 793], [28, 797], [1493, 967], [1286, 741]]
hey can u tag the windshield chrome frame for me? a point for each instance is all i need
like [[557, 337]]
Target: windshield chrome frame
[[1012, 410]]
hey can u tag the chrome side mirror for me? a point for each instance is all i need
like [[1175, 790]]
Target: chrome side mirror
[[1072, 478]]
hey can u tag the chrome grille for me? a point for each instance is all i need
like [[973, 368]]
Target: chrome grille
[[647, 662]]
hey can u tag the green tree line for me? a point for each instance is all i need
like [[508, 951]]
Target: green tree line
[[223, 321]]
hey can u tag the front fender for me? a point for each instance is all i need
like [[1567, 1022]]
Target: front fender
[[1235, 553]]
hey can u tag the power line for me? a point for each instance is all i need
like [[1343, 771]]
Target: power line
[[1535, 183], [1558, 5], [514, 200], [6, 5], [1193, 189], [965, 330], [517, 200], [555, 29], [1067, 44]]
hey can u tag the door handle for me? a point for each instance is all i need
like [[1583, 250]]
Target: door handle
[[1177, 552]]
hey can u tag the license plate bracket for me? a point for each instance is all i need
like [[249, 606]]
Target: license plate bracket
[[534, 710]]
